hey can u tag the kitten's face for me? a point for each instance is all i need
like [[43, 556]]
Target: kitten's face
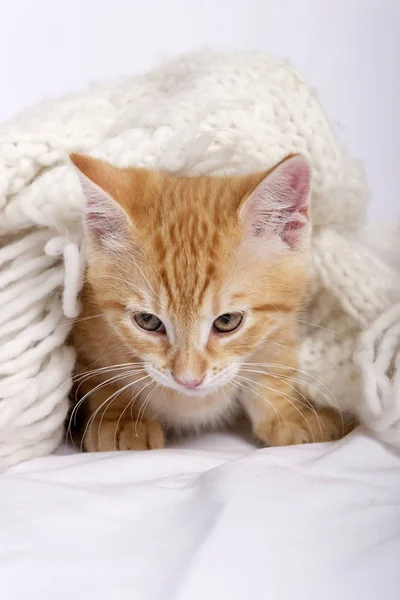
[[193, 274]]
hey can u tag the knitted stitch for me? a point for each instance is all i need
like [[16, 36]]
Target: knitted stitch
[[201, 113]]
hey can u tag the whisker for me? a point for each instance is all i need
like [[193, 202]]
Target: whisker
[[246, 386], [109, 401], [144, 406], [307, 403], [286, 317], [280, 366], [328, 398], [125, 373], [126, 407], [100, 370], [130, 403], [317, 326], [288, 399], [124, 281], [117, 376], [146, 280], [291, 349], [119, 373], [81, 319], [72, 419], [85, 375]]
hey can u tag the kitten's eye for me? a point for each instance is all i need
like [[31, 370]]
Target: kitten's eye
[[228, 322], [149, 322]]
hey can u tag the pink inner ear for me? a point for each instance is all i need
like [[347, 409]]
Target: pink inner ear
[[105, 219], [280, 202], [299, 183], [298, 174]]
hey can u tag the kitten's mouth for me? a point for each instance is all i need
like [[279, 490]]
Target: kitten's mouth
[[200, 390], [205, 388]]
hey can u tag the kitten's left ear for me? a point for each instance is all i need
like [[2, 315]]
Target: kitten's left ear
[[278, 207], [106, 220]]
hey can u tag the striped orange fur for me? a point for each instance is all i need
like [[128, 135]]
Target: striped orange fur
[[183, 251]]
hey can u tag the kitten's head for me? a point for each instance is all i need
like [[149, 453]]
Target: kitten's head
[[193, 274]]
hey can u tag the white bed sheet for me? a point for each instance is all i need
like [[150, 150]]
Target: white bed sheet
[[213, 519]]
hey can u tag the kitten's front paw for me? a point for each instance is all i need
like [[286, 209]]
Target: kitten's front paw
[[324, 425], [147, 435], [282, 434]]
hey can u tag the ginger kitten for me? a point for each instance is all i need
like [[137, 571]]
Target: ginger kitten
[[189, 311]]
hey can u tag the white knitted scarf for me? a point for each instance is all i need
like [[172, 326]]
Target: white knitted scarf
[[202, 113]]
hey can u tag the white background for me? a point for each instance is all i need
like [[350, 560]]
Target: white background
[[347, 49]]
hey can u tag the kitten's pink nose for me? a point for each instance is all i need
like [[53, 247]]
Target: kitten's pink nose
[[187, 382]]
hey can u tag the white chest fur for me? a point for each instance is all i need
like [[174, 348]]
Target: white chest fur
[[191, 412]]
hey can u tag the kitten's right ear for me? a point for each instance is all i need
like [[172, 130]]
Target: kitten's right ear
[[277, 209], [106, 221]]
